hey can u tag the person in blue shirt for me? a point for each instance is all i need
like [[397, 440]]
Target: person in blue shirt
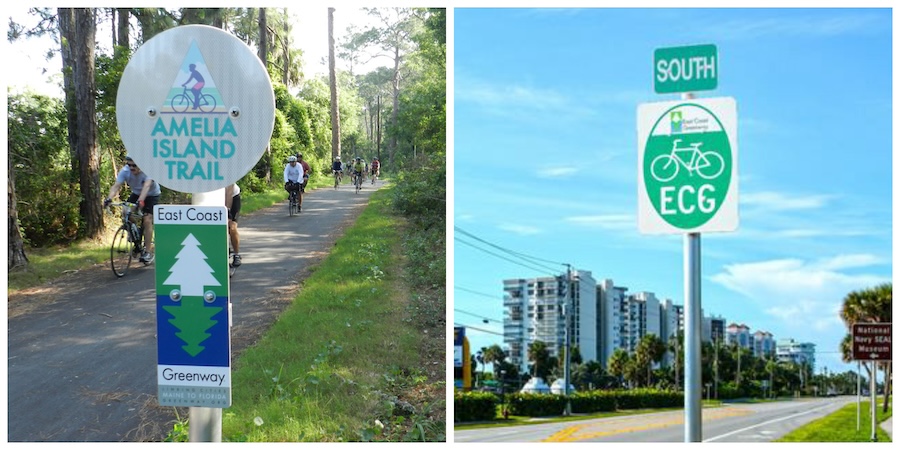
[[145, 192]]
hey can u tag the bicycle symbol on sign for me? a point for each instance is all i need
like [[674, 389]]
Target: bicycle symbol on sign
[[708, 165]]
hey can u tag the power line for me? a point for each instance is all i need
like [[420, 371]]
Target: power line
[[506, 250], [456, 324], [537, 269], [490, 296], [486, 319]]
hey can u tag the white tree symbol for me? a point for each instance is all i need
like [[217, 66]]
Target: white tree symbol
[[190, 270]]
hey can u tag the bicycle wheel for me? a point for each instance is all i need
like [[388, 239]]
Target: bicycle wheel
[[207, 103], [714, 166], [664, 168], [120, 252], [336, 180], [181, 102], [292, 200]]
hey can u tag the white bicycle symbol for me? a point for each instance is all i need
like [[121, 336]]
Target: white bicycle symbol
[[708, 165]]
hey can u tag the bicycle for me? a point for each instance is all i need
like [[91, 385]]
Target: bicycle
[[337, 178], [293, 203], [697, 162], [374, 177], [359, 180], [182, 101], [127, 242]]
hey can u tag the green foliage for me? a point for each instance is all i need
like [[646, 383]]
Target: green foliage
[[421, 193], [588, 402], [840, 426], [593, 401], [46, 192], [648, 398], [536, 405], [474, 406]]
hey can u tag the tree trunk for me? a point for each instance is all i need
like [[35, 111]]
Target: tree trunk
[[122, 28], [85, 98], [263, 39], [67, 37], [378, 129], [332, 76], [286, 51], [395, 83], [17, 256]]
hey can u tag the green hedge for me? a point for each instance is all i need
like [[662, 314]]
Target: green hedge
[[536, 405], [593, 401], [481, 406], [474, 406]]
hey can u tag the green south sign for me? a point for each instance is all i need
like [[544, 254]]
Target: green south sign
[[685, 69], [687, 166]]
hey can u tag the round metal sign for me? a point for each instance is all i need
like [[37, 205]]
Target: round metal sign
[[195, 108]]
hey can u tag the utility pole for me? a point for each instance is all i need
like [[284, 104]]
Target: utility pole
[[566, 309], [716, 367]]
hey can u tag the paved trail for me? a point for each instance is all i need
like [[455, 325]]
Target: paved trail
[[82, 357]]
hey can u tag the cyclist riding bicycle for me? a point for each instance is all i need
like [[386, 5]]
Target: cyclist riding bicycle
[[336, 166], [358, 168], [293, 176], [145, 192], [375, 169]]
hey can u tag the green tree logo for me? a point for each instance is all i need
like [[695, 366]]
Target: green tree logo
[[192, 317]]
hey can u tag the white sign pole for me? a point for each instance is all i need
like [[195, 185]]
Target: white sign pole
[[858, 389], [872, 392], [692, 372], [206, 423]]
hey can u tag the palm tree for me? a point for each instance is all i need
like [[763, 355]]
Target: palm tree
[[617, 363], [871, 305], [493, 355], [650, 350], [539, 355]]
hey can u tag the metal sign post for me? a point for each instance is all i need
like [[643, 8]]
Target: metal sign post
[[687, 183], [195, 109]]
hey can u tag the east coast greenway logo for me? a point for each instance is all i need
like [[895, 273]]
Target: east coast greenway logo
[[687, 166]]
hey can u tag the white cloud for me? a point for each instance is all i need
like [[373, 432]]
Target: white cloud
[[523, 230], [557, 172], [605, 221], [798, 291], [797, 26], [782, 202]]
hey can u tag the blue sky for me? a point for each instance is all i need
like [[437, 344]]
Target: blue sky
[[545, 158]]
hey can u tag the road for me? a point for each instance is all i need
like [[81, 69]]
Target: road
[[739, 422], [82, 351]]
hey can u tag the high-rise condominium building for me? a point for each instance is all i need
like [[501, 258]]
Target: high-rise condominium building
[[534, 311]]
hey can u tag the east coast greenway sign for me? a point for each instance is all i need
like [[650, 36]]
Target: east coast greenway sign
[[192, 306], [687, 166]]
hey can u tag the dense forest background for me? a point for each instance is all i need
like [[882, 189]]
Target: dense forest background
[[64, 153]]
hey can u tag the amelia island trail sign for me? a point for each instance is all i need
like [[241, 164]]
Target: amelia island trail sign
[[195, 109]]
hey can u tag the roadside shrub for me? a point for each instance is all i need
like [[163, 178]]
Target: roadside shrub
[[474, 406], [593, 402], [536, 405]]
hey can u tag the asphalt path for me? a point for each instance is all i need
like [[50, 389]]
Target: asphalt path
[[739, 422], [82, 351]]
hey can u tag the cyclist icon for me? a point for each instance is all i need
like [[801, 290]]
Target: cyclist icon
[[708, 164], [197, 87]]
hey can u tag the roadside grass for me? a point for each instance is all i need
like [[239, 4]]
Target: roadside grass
[[330, 367], [513, 421], [48, 264], [840, 426]]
